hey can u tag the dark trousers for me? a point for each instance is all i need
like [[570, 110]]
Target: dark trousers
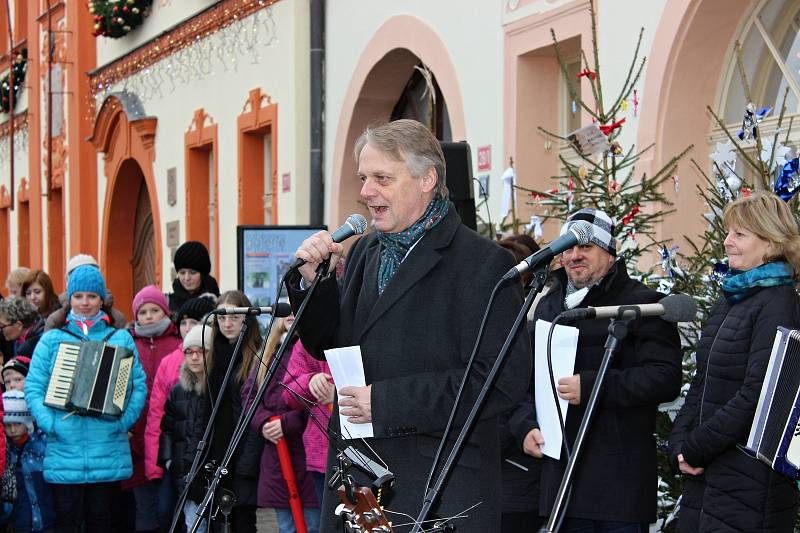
[[88, 503]]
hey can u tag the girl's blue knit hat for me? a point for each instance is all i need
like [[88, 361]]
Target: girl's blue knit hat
[[86, 278]]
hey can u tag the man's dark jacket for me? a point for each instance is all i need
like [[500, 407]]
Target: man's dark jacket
[[736, 492], [616, 477], [416, 339]]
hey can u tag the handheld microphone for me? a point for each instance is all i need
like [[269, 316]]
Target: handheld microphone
[[673, 308], [579, 233], [281, 309], [354, 225]]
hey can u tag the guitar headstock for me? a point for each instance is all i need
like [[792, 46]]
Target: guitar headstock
[[361, 512]]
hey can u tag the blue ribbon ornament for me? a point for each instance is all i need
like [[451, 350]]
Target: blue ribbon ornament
[[750, 122], [720, 272], [668, 260], [787, 183]]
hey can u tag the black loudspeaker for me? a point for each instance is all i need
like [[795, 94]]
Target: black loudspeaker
[[458, 159]]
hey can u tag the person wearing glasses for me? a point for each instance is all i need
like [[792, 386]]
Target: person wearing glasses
[[183, 424], [22, 326]]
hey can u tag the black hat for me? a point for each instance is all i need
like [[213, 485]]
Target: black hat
[[197, 308], [194, 255]]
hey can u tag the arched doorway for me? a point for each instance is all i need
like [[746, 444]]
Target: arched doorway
[[144, 246], [131, 251], [384, 85]]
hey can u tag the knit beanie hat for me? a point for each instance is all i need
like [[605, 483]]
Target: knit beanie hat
[[16, 409], [80, 260], [602, 228], [194, 255], [86, 278], [19, 363], [197, 308], [197, 338], [150, 295]]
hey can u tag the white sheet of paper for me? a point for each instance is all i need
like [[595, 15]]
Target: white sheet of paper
[[564, 348], [347, 370]]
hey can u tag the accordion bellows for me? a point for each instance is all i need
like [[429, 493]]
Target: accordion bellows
[[90, 378], [775, 435]]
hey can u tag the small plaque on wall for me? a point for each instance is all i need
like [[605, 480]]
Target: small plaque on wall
[[173, 233], [172, 186]]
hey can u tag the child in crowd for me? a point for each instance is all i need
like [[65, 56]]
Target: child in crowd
[[185, 416], [191, 313], [155, 336], [309, 385], [15, 371], [32, 509], [243, 467], [15, 279], [86, 457], [275, 421]]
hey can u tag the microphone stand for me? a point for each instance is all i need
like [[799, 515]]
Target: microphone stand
[[617, 330], [209, 427], [244, 422], [536, 285]]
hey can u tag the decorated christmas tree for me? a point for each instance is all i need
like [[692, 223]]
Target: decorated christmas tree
[[601, 172]]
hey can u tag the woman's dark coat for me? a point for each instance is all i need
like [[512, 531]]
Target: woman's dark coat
[[736, 492]]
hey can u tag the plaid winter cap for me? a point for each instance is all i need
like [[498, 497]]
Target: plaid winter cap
[[602, 228]]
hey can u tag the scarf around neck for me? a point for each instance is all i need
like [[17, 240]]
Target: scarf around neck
[[152, 330], [86, 322], [396, 245], [738, 283]]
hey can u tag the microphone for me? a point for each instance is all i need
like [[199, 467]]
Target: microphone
[[281, 309], [579, 233], [673, 308], [354, 225]]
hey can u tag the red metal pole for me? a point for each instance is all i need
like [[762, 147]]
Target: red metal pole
[[295, 503]]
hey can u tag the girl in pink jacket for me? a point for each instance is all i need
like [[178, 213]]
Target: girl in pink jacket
[[307, 378], [192, 312]]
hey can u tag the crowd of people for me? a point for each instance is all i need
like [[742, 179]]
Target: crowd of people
[[64, 471], [411, 297]]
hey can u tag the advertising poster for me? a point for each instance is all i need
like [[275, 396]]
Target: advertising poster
[[264, 254]]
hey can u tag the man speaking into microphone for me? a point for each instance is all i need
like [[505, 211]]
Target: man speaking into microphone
[[412, 297], [615, 481]]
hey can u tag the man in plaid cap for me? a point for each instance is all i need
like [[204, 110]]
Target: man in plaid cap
[[615, 481]]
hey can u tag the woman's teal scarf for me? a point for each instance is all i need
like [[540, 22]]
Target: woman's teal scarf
[[738, 283]]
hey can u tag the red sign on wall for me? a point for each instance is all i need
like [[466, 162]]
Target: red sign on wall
[[484, 158], [286, 178]]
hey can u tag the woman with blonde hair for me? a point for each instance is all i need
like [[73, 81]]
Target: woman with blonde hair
[[724, 488], [276, 421], [15, 279]]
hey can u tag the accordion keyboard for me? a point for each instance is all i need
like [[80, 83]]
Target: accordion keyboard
[[58, 390]]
